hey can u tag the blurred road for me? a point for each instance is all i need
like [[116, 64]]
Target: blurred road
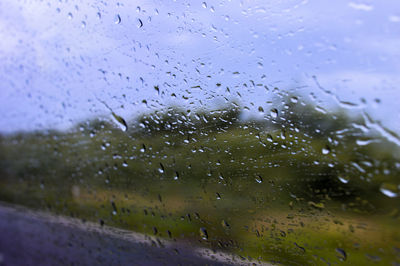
[[36, 238]]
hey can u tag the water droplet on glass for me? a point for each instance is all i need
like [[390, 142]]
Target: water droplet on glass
[[344, 180], [204, 5], [218, 196], [326, 150], [117, 19], [143, 149], [390, 190], [120, 121], [360, 142], [176, 177], [294, 99], [259, 179], [70, 16], [300, 247], [225, 224], [203, 233], [161, 169], [114, 212], [83, 24], [341, 254], [139, 23], [274, 113]]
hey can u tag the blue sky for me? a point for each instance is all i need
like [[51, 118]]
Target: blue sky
[[56, 57]]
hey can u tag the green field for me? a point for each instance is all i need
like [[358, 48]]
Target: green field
[[300, 187]]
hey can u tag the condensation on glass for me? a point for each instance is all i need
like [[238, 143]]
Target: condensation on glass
[[233, 132]]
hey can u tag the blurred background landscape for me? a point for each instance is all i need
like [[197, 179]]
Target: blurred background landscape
[[294, 186]]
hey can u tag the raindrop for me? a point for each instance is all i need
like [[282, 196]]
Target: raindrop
[[117, 19], [326, 150], [359, 168], [139, 23], [390, 190], [204, 5], [161, 169], [294, 99], [320, 109], [176, 177], [120, 121], [157, 88], [274, 113], [143, 149], [83, 24], [259, 179], [260, 109], [344, 180], [360, 142], [203, 233], [70, 16], [300, 247], [114, 212], [225, 224], [116, 156], [341, 254], [218, 195]]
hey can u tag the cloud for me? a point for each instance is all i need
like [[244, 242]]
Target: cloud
[[66, 64]]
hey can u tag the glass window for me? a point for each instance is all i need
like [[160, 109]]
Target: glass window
[[219, 132]]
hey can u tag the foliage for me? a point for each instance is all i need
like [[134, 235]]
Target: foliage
[[212, 166]]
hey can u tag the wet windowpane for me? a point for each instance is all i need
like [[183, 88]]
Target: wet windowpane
[[221, 132]]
